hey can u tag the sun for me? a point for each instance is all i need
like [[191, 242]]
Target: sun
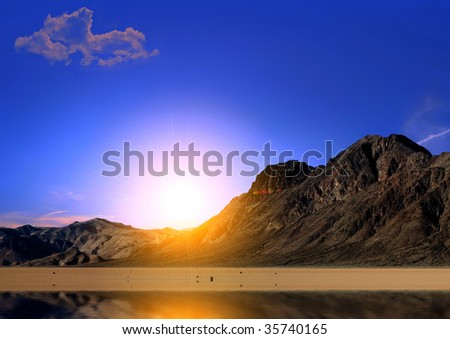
[[171, 201], [183, 202]]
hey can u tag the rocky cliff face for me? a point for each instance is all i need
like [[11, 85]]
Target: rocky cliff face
[[384, 201]]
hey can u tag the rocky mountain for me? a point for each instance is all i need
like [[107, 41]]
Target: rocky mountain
[[92, 241], [383, 201]]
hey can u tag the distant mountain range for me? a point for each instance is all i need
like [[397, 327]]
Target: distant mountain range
[[386, 204], [92, 241]]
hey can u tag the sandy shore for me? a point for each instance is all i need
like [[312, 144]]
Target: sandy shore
[[223, 279]]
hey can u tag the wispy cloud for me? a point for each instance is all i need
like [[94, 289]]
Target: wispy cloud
[[66, 195], [65, 35], [59, 218], [433, 136], [430, 116], [51, 219], [56, 213], [14, 219]]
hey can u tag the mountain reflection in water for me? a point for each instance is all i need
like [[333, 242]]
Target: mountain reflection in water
[[192, 305]]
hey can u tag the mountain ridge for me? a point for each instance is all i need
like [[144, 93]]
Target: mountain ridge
[[382, 201]]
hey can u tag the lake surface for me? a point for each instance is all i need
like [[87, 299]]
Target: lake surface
[[191, 293], [247, 305]]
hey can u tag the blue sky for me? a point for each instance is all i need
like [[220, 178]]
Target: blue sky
[[228, 75]]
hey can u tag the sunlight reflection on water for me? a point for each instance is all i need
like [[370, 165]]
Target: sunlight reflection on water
[[243, 305]]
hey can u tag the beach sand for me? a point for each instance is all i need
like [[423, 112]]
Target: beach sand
[[223, 279]]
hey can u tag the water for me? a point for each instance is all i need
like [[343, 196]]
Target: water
[[240, 305]]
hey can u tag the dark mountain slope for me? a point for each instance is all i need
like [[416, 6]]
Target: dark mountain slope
[[384, 201]]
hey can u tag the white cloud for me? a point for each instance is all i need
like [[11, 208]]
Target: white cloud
[[430, 116], [58, 219], [52, 219], [68, 34], [56, 213], [433, 136]]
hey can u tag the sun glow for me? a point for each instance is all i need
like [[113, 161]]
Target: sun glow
[[172, 200], [182, 202]]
